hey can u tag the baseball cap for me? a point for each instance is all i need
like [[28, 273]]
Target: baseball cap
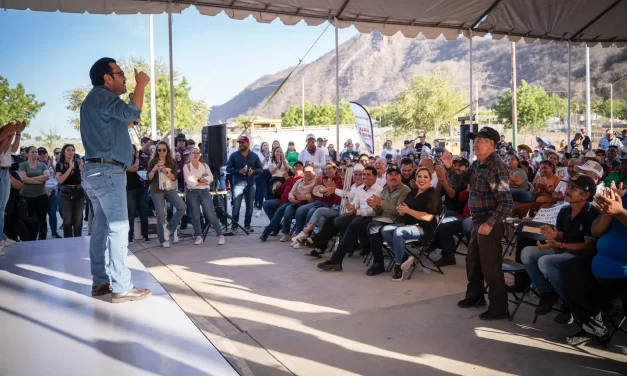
[[320, 139], [394, 168], [486, 132], [243, 139], [591, 166], [324, 139], [462, 161], [310, 135], [181, 137], [299, 163], [41, 149], [583, 182]]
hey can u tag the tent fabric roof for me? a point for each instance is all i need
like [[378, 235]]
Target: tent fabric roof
[[580, 21]]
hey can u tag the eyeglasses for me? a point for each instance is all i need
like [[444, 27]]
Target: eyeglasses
[[58, 152], [121, 73], [195, 153], [162, 149]]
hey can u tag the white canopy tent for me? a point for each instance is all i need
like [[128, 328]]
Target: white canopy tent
[[573, 21]]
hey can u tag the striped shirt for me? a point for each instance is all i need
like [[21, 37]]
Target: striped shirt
[[489, 188]]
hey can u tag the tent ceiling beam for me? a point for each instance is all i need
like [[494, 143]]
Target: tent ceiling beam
[[595, 19], [485, 14]]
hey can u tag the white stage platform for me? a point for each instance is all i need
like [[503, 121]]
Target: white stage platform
[[49, 323]]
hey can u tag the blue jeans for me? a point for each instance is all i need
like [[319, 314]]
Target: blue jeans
[[396, 235], [449, 227], [321, 214], [5, 191], [243, 192], [544, 267], [53, 207], [277, 210], [197, 198], [288, 215], [304, 213], [159, 199], [137, 201], [260, 191], [105, 185], [522, 196]]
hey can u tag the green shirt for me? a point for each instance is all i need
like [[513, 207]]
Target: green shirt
[[154, 183], [33, 190], [292, 157], [616, 177], [391, 200]]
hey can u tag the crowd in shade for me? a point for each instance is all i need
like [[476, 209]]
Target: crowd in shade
[[418, 193]]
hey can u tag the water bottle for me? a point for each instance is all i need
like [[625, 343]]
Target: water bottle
[[425, 270]]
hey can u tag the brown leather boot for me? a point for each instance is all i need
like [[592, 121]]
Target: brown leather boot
[[130, 295], [101, 290]]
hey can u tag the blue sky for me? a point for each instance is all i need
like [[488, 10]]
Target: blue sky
[[50, 53]]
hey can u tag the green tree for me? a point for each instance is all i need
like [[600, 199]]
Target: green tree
[[50, 139], [382, 114], [26, 136], [533, 105], [15, 104], [559, 106], [189, 114], [323, 114], [429, 102]]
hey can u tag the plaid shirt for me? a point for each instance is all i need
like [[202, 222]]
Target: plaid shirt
[[489, 188]]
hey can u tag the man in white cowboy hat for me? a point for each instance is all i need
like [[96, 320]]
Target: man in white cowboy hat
[[313, 155]]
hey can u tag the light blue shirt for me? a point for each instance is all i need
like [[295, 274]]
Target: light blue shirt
[[605, 144], [104, 132]]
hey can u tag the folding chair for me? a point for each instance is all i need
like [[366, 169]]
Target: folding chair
[[619, 327], [425, 248], [460, 240], [389, 254]]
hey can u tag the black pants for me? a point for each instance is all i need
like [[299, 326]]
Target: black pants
[[24, 230], [357, 230], [331, 227], [137, 202], [376, 241], [586, 294], [72, 214], [484, 262], [38, 208]]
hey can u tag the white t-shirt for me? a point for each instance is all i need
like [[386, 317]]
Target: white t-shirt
[[192, 175], [317, 158], [279, 171], [386, 152], [381, 181]]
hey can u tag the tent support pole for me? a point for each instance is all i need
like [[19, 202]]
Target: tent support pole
[[153, 79], [337, 89], [471, 118], [171, 83], [588, 120], [569, 78]]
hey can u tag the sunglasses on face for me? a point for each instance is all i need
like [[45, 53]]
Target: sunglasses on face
[[162, 149]]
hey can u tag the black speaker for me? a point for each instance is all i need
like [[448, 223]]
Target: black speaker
[[214, 145], [464, 141]]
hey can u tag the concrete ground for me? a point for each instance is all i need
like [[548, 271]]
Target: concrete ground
[[270, 311]]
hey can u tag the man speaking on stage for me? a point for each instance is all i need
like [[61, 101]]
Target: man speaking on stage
[[104, 123]]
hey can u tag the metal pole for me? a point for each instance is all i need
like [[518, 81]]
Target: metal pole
[[471, 151], [514, 99], [303, 101], [153, 79], [612, 107], [171, 83], [477, 99], [588, 122], [569, 56], [337, 88]]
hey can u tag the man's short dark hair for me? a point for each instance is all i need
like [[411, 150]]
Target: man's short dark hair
[[99, 69], [406, 161], [364, 155], [144, 140], [371, 169]]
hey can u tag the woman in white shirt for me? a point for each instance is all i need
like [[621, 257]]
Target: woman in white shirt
[[279, 168], [198, 178]]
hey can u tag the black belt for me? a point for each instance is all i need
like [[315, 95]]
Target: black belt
[[106, 161], [482, 213]]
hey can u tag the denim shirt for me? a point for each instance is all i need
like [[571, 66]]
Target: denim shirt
[[104, 132], [237, 162]]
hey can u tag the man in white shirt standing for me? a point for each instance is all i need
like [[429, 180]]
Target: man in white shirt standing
[[321, 146], [312, 155], [388, 149]]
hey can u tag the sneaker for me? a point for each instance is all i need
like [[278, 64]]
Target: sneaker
[[297, 246], [376, 269], [470, 303], [146, 240], [491, 316], [166, 233], [405, 266], [10, 241], [285, 238], [301, 235], [198, 240], [56, 236], [166, 244], [263, 238], [258, 214], [446, 261], [131, 295], [563, 318], [547, 301], [398, 273], [130, 241], [249, 229], [175, 238], [2, 253], [5, 243], [582, 337], [330, 265], [221, 240]]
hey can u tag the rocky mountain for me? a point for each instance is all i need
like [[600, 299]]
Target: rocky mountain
[[374, 68]]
